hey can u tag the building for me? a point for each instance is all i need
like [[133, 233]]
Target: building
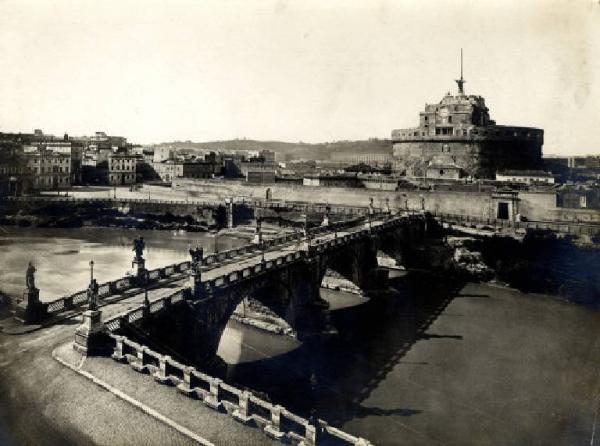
[[268, 157], [74, 150], [13, 169], [579, 197], [162, 154], [459, 126], [261, 176], [525, 177], [443, 169], [199, 169], [48, 170], [121, 169], [370, 159], [168, 170]]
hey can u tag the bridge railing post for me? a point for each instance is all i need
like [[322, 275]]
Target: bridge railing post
[[212, 399], [118, 351], [242, 413], [139, 363], [273, 429], [161, 375], [186, 385], [310, 435]]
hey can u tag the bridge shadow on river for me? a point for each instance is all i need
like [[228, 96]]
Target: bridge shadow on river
[[333, 375]]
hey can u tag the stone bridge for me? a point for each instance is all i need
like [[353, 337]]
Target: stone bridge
[[286, 279]]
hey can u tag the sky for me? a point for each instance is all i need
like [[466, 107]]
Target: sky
[[311, 70]]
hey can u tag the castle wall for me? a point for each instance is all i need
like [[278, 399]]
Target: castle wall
[[540, 206], [480, 158]]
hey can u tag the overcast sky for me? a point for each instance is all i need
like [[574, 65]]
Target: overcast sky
[[303, 70]]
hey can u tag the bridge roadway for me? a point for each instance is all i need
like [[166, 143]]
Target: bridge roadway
[[43, 402]]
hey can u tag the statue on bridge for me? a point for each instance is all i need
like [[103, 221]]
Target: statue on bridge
[[197, 255], [92, 295], [138, 247], [30, 277]]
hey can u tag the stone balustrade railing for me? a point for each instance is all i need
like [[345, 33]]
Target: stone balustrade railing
[[211, 261], [276, 204], [244, 406], [135, 314], [562, 227], [208, 287], [106, 289], [58, 198]]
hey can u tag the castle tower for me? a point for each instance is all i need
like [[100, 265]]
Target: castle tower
[[457, 138]]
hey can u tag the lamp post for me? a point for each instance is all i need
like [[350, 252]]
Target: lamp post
[[146, 280], [91, 270]]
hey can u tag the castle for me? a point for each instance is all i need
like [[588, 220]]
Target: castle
[[456, 138]]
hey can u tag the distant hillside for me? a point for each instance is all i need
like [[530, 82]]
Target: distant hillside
[[285, 150]]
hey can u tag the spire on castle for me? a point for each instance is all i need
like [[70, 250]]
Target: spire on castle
[[461, 81]]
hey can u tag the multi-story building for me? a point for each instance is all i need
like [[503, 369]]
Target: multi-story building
[[459, 127], [13, 169], [168, 170], [71, 148], [48, 170], [121, 169], [199, 169], [162, 154]]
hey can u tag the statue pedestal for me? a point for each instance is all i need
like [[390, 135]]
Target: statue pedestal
[[87, 335], [139, 270], [194, 282], [29, 309]]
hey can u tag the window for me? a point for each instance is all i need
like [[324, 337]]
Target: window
[[450, 119], [441, 171]]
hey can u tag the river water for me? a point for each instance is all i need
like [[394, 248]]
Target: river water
[[61, 256], [432, 363]]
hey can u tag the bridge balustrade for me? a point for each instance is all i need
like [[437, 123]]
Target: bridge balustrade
[[79, 298], [126, 283], [135, 315], [169, 270], [568, 228], [240, 404]]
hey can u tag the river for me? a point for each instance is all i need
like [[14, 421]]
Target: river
[[429, 364]]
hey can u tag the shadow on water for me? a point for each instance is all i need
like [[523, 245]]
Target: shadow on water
[[333, 376]]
